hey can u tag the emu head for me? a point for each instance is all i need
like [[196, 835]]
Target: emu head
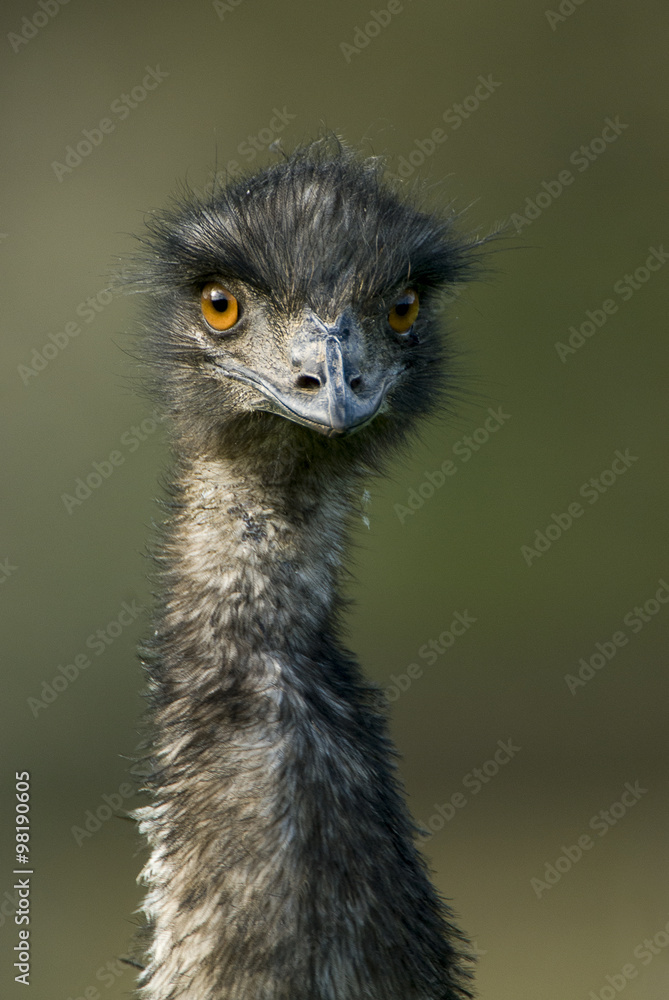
[[299, 302]]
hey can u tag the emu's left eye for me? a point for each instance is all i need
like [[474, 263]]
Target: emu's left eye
[[403, 314], [219, 307]]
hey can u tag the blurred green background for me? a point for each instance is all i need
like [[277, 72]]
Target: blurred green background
[[221, 72]]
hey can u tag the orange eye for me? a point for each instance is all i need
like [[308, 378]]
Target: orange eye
[[219, 307], [403, 314]]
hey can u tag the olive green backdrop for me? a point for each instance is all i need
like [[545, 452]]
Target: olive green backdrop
[[556, 868]]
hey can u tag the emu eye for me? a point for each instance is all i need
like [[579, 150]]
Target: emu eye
[[403, 314], [219, 307]]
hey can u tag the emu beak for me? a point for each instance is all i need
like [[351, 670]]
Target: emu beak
[[329, 393], [326, 390]]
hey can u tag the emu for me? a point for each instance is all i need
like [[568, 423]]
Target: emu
[[291, 331]]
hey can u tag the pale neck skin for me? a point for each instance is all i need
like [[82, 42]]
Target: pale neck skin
[[282, 866]]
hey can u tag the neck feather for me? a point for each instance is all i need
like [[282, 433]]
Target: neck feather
[[282, 865]]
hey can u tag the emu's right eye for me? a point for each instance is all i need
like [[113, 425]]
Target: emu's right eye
[[219, 307]]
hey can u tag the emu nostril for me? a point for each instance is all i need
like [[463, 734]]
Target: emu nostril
[[308, 382]]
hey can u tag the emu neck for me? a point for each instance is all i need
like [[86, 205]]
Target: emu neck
[[282, 864], [254, 567]]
